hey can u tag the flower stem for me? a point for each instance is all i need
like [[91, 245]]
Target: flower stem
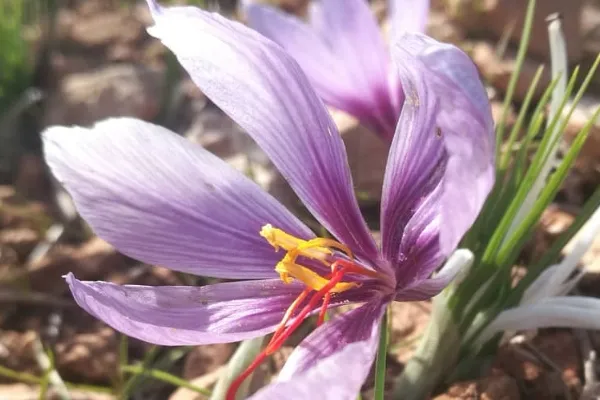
[[381, 358]]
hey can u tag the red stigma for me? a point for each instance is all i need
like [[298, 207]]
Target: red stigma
[[283, 331]]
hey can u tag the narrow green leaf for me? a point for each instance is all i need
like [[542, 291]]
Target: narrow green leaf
[[513, 246], [380, 363], [164, 376], [512, 84], [507, 154]]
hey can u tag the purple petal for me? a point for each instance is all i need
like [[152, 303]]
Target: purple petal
[[342, 53], [358, 325], [334, 361], [420, 252], [163, 200], [414, 171], [263, 89], [187, 315], [408, 15], [446, 106]]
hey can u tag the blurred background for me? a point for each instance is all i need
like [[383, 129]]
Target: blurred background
[[71, 62]]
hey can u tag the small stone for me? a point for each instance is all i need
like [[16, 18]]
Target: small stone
[[88, 355], [106, 28], [205, 359], [91, 260], [548, 368], [442, 28], [111, 91], [590, 29], [498, 386], [22, 240]]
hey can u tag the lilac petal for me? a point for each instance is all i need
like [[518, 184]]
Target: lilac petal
[[187, 315], [414, 171], [328, 74], [342, 54], [264, 90], [163, 200], [457, 265], [334, 361], [443, 87], [351, 32], [358, 325], [420, 252], [408, 15]]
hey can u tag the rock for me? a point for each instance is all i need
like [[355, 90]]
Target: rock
[[90, 355], [106, 28], [548, 367], [409, 321], [16, 350], [590, 26], [495, 17], [496, 387], [114, 90], [206, 359], [20, 391], [91, 260], [442, 28], [21, 240], [498, 70]]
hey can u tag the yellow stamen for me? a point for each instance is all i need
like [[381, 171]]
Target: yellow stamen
[[287, 270], [316, 249], [319, 249], [319, 288]]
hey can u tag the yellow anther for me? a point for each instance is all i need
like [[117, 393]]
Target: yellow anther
[[326, 243], [308, 277], [319, 249], [308, 248]]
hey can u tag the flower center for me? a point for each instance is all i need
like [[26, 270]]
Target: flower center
[[318, 288]]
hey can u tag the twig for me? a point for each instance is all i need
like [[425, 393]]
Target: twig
[[591, 386], [11, 296], [47, 365]]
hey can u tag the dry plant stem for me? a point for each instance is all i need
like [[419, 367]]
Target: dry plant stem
[[52, 375], [164, 377], [12, 296], [591, 386], [35, 380]]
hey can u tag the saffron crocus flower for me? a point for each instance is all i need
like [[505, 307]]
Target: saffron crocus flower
[[343, 53], [163, 200]]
